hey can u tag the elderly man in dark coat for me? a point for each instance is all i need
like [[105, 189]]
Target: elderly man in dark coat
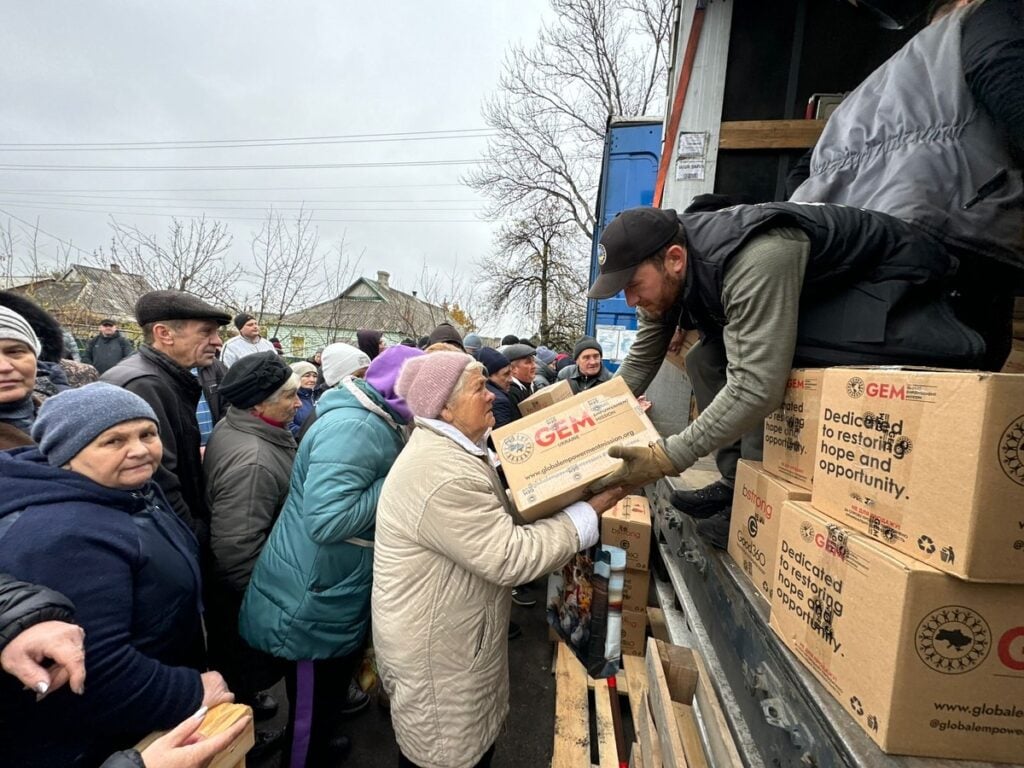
[[180, 331]]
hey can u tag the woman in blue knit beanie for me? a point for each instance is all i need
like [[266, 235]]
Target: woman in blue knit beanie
[[81, 515]]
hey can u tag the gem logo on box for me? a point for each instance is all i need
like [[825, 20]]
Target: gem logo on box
[[953, 640], [562, 429], [1011, 450], [855, 387], [518, 447]]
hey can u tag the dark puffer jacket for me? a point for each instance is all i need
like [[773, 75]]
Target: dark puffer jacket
[[130, 567], [23, 604]]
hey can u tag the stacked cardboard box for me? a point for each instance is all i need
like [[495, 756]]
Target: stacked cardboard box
[[628, 526], [756, 510], [548, 396], [899, 584]]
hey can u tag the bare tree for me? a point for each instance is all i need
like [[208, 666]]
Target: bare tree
[[288, 267], [536, 271], [601, 58], [191, 258]]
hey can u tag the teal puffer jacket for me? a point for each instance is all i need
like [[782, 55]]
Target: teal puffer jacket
[[309, 596]]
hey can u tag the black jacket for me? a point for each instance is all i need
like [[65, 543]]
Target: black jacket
[[173, 393], [23, 604], [503, 409], [210, 378], [873, 285], [103, 352], [516, 394]]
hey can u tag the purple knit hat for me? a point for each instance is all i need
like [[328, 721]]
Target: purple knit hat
[[383, 373], [426, 382]]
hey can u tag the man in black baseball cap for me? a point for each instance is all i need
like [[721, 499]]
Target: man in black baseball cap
[[630, 238], [180, 332], [768, 287]]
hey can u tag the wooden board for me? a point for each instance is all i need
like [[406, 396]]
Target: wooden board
[[721, 746], [607, 753], [660, 702], [636, 680], [217, 720], [659, 628], [770, 134], [572, 723], [686, 720], [621, 683], [647, 736]]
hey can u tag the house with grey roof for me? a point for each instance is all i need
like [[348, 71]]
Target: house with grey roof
[[370, 304]]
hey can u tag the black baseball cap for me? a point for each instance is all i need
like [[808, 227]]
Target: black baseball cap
[[632, 236]]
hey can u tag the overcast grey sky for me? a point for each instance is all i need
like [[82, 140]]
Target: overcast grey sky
[[118, 72]]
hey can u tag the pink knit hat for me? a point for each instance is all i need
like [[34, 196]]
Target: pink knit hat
[[427, 382]]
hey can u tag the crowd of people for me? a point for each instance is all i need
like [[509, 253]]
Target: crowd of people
[[191, 522], [190, 527]]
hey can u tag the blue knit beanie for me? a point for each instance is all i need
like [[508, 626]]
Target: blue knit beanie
[[70, 420]]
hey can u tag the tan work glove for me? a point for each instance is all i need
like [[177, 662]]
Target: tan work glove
[[641, 464]]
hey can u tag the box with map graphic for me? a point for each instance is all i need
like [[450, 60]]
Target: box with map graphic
[[927, 664], [929, 462], [551, 457]]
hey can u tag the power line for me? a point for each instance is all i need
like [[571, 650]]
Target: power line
[[60, 205], [287, 167], [314, 218], [239, 189], [454, 133], [396, 201]]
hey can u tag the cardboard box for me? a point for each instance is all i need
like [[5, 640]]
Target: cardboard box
[[555, 393], [927, 664], [627, 525], [550, 457], [754, 533], [929, 462], [790, 432], [635, 588], [1015, 362], [634, 632]]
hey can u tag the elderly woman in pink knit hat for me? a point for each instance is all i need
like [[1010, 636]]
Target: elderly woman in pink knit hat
[[446, 558]]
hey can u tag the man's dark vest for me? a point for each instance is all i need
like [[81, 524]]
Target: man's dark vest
[[873, 285]]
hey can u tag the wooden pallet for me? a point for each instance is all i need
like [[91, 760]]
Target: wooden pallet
[[573, 715]]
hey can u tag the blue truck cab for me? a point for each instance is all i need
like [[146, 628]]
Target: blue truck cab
[[629, 170]]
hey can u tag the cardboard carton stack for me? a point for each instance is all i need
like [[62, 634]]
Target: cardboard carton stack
[[899, 584], [628, 526]]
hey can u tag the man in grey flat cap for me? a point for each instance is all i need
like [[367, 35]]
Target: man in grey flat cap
[[179, 332]]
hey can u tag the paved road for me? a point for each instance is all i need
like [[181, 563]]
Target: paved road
[[527, 737]]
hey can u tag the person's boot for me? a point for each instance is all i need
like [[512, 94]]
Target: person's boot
[[264, 706], [266, 742], [514, 630], [715, 529], [356, 701], [521, 596], [704, 502]]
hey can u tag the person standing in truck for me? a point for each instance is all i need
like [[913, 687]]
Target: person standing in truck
[[768, 287], [935, 136]]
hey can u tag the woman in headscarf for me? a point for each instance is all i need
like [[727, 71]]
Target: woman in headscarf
[[81, 515], [447, 556], [308, 601], [309, 393], [371, 342]]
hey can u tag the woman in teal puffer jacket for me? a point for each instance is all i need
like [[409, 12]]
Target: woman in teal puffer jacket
[[309, 597]]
